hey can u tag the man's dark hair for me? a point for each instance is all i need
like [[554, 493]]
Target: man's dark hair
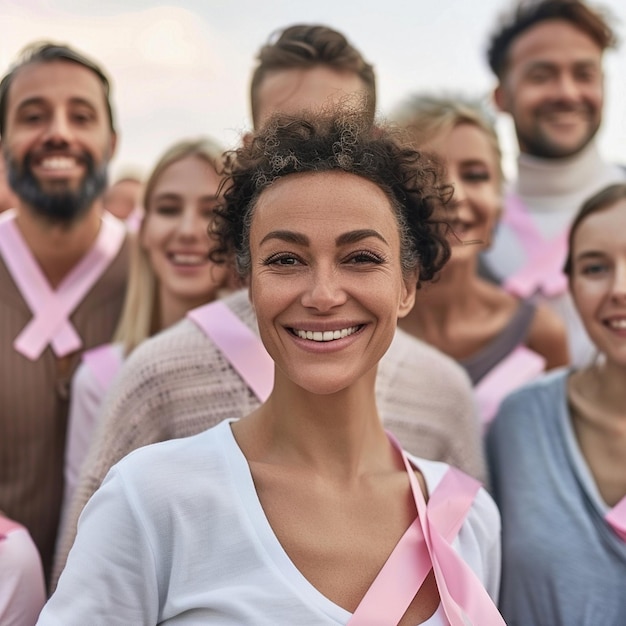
[[303, 46], [525, 15], [47, 52]]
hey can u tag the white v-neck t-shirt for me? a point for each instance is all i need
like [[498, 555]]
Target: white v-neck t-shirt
[[177, 535]]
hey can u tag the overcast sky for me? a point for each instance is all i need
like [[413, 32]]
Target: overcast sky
[[182, 68]]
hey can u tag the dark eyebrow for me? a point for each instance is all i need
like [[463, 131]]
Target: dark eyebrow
[[590, 254], [288, 236], [39, 101], [170, 195], [357, 235], [302, 240]]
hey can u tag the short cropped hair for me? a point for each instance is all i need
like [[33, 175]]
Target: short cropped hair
[[526, 14], [304, 46], [47, 52], [425, 116], [345, 141], [600, 201]]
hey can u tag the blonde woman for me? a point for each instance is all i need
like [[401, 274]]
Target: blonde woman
[[499, 339], [170, 274]]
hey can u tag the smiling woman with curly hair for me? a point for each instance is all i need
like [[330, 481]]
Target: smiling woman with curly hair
[[306, 511]]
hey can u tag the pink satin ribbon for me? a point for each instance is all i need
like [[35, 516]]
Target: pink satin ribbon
[[616, 519], [425, 545], [243, 349], [104, 362], [51, 309], [544, 257], [517, 368]]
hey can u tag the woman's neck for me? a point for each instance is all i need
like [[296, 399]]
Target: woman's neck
[[440, 304], [173, 309], [339, 435], [604, 385]]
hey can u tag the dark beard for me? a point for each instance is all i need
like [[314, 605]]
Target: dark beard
[[63, 207]]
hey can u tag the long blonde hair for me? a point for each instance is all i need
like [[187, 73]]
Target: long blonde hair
[[139, 318]]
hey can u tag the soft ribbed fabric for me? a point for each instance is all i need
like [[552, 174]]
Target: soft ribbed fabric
[[178, 384], [34, 403]]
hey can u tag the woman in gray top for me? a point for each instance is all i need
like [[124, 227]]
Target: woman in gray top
[[557, 451]]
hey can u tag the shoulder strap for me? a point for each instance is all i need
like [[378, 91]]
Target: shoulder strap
[[243, 349]]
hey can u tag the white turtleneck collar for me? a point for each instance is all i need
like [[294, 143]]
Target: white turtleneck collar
[[544, 178]]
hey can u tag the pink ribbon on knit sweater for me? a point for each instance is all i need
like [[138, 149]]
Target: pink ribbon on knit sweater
[[50, 324], [543, 270], [242, 348], [425, 545]]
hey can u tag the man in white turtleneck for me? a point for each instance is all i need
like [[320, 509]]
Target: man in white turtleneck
[[548, 59]]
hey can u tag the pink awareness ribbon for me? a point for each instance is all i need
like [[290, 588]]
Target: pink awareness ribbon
[[104, 362], [51, 309], [543, 270], [243, 349], [427, 544], [616, 518], [7, 526], [518, 367]]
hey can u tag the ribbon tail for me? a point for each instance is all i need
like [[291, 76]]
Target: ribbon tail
[[460, 590]]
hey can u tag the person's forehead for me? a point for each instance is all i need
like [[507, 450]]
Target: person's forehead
[[291, 90], [554, 39], [57, 80]]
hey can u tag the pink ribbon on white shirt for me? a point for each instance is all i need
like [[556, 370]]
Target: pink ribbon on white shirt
[[425, 545], [51, 309], [243, 349], [616, 518], [545, 258]]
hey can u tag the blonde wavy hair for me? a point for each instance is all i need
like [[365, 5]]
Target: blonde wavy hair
[[425, 116], [139, 318]]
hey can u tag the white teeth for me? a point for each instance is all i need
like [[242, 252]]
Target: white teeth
[[188, 259], [620, 324], [327, 335], [58, 163]]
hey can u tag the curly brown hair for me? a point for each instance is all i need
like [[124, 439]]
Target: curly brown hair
[[346, 141]]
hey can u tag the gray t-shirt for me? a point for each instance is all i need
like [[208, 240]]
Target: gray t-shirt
[[562, 563]]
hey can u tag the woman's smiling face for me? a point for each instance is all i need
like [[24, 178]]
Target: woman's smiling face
[[598, 279], [326, 279]]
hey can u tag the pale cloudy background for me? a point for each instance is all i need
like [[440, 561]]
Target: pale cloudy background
[[182, 68]]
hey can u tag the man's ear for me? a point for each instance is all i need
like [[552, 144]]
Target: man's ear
[[500, 98], [247, 138], [112, 144]]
